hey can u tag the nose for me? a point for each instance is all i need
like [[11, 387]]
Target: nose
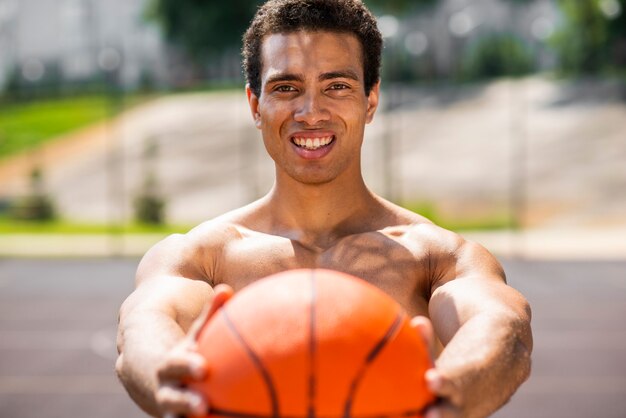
[[311, 110]]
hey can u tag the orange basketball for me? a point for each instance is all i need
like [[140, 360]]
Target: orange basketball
[[313, 343]]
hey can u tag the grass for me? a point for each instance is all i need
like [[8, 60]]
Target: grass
[[63, 227], [496, 220], [26, 125]]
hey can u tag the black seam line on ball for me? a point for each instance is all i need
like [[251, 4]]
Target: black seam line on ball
[[391, 331], [234, 414], [312, 346], [258, 363]]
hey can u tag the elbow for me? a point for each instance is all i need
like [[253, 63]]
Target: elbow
[[119, 366], [120, 369], [520, 343], [523, 355], [525, 342], [119, 362], [522, 350], [519, 324]]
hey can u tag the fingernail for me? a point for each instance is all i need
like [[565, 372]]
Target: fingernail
[[197, 404], [432, 414], [197, 366], [433, 379]]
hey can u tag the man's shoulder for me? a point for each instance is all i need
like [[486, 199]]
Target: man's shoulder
[[220, 230], [193, 254], [413, 225], [418, 229], [210, 234], [428, 235]]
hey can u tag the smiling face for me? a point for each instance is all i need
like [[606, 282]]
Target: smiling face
[[313, 108]]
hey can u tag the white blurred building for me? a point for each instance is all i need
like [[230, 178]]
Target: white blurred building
[[77, 39]]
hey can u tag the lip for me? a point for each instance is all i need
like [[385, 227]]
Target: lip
[[313, 154]]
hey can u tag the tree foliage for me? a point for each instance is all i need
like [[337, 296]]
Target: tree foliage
[[396, 7], [207, 27], [37, 205], [204, 27], [591, 39], [496, 55]]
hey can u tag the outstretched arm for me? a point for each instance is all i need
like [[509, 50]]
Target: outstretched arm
[[484, 325], [154, 352]]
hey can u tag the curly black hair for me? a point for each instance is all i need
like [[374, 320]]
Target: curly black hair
[[287, 16]]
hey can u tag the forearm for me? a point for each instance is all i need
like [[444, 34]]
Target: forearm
[[488, 359], [145, 339]]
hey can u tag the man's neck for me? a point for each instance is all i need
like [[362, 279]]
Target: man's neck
[[315, 215]]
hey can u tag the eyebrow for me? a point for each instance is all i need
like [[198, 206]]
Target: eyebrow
[[282, 77], [339, 74]]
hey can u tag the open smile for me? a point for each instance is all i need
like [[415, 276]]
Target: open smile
[[312, 144]]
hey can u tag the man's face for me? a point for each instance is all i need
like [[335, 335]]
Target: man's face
[[313, 107]]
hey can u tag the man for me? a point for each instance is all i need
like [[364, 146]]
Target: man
[[312, 68]]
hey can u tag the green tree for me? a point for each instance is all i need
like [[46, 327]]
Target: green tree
[[396, 7], [496, 55], [37, 205], [149, 204], [592, 37], [204, 27], [208, 27]]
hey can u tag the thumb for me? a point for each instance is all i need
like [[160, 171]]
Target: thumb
[[425, 328], [443, 387], [221, 294]]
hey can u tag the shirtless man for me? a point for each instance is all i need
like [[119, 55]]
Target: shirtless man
[[313, 85]]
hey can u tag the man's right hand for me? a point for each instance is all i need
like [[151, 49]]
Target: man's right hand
[[184, 364]]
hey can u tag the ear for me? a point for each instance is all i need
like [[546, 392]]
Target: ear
[[372, 102], [253, 102]]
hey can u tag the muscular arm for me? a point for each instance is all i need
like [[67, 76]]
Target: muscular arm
[[170, 294], [485, 327]]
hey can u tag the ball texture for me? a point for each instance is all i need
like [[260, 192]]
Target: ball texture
[[313, 343]]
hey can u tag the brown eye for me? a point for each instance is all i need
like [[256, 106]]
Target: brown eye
[[284, 89]]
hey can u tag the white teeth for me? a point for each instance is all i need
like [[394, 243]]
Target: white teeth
[[313, 144]]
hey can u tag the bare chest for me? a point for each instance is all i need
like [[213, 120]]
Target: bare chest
[[398, 269]]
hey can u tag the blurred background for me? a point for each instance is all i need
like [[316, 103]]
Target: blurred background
[[122, 121]]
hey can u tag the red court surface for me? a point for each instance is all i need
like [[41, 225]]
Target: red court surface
[[58, 320]]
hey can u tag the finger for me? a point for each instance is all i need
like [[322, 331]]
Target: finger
[[443, 411], [434, 380], [182, 364], [222, 293], [425, 328], [443, 387], [178, 401]]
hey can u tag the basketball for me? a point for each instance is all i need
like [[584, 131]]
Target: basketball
[[313, 343]]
